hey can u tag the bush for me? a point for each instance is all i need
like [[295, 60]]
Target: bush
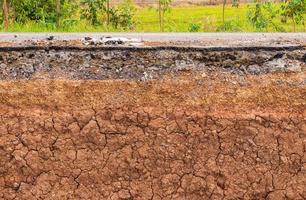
[[122, 16], [68, 11], [294, 9], [194, 27], [90, 10], [29, 10], [40, 11], [263, 15]]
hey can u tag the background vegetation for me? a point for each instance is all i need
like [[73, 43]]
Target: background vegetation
[[99, 15]]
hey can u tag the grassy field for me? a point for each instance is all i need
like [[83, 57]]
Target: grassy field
[[179, 19]]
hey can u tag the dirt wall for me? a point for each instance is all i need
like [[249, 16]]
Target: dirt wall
[[184, 134]]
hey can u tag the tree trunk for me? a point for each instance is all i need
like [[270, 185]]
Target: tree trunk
[[293, 24], [6, 14], [58, 13], [223, 11], [161, 26], [108, 7]]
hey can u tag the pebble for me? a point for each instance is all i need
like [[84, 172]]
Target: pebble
[[51, 37]]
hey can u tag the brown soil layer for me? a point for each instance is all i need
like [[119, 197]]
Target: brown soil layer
[[218, 137]]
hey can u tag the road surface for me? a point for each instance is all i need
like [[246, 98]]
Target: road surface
[[207, 39]]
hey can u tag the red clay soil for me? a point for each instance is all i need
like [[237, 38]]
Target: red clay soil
[[217, 137]]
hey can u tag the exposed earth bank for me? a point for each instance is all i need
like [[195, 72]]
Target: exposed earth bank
[[187, 133]]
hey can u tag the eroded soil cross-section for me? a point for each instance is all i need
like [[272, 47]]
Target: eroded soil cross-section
[[152, 123]]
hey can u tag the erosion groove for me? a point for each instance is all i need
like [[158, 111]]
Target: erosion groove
[[162, 124]]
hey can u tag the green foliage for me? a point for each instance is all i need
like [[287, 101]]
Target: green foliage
[[262, 16], [90, 10], [67, 15], [122, 15], [235, 3], [41, 15], [165, 5], [257, 17], [38, 10], [41, 11], [1, 15], [294, 9], [68, 9], [194, 27], [229, 26]]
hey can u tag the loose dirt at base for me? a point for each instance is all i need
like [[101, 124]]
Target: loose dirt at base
[[191, 133]]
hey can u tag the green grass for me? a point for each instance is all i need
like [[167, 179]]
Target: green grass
[[210, 17], [177, 20]]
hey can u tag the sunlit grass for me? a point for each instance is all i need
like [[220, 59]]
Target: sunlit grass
[[177, 20], [210, 17]]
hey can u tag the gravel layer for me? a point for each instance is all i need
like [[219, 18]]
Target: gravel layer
[[144, 63]]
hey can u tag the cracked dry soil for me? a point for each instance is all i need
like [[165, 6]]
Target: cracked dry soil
[[210, 132]]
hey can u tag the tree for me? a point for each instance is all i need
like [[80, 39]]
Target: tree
[[28, 10], [6, 14], [45, 12], [294, 9], [58, 13], [163, 7], [263, 15], [122, 15], [223, 11], [108, 11], [91, 8], [67, 13], [235, 3]]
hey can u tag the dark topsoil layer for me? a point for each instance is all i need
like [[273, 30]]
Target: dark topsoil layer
[[144, 63], [181, 124]]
